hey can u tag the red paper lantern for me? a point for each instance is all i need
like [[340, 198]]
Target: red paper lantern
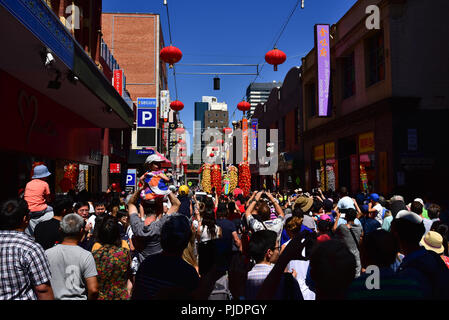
[[275, 57], [211, 155], [179, 130], [220, 141], [170, 55], [243, 106], [182, 154], [227, 130], [181, 141], [114, 186], [176, 105]]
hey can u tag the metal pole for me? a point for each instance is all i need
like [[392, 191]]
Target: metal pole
[[215, 73]]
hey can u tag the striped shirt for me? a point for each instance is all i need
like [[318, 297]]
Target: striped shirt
[[23, 266], [255, 280]]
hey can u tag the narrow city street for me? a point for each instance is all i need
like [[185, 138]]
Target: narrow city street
[[238, 151]]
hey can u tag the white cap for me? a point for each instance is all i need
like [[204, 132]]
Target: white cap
[[346, 203], [410, 216], [154, 158], [419, 200]]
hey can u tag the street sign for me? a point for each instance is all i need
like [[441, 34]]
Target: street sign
[[146, 102], [254, 125], [147, 121], [118, 81], [131, 177], [322, 45], [146, 117], [130, 190], [114, 168], [165, 103], [147, 152]]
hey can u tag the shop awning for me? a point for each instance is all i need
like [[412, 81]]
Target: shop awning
[[30, 28]]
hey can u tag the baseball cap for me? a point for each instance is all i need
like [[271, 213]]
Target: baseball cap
[[410, 216], [374, 197], [183, 189], [346, 203], [323, 238], [364, 208], [325, 217], [419, 200]]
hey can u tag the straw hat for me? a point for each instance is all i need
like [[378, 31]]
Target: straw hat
[[304, 203], [433, 241]]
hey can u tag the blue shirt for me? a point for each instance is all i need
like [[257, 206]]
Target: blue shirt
[[285, 237], [369, 224], [343, 221]]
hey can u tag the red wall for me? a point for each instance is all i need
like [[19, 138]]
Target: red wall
[[47, 129]]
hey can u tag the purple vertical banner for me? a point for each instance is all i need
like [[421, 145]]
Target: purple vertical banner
[[322, 46], [254, 124]]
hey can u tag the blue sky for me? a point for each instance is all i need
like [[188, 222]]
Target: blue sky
[[233, 31]]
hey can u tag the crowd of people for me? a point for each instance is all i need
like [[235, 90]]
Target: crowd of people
[[185, 244]]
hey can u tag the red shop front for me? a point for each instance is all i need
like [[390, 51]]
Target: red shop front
[[35, 129]]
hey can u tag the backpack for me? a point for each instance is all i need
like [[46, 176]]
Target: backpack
[[221, 289]]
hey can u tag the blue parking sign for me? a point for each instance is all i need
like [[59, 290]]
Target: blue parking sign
[[146, 117], [131, 177]]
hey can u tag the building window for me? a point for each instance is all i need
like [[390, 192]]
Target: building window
[[375, 59], [348, 71]]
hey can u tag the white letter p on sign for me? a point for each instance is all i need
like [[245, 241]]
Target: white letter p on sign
[[146, 116]]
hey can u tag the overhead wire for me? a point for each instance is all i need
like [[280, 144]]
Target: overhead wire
[[284, 26], [171, 43]]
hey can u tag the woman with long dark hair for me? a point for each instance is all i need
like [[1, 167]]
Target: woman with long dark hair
[[206, 234]]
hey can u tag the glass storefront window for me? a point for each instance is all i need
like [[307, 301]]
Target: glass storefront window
[[367, 171], [330, 175]]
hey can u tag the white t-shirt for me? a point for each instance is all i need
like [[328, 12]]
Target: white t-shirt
[[301, 267], [205, 236], [379, 210], [70, 266]]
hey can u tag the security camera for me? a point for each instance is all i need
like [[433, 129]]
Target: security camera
[[72, 77], [47, 58]]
